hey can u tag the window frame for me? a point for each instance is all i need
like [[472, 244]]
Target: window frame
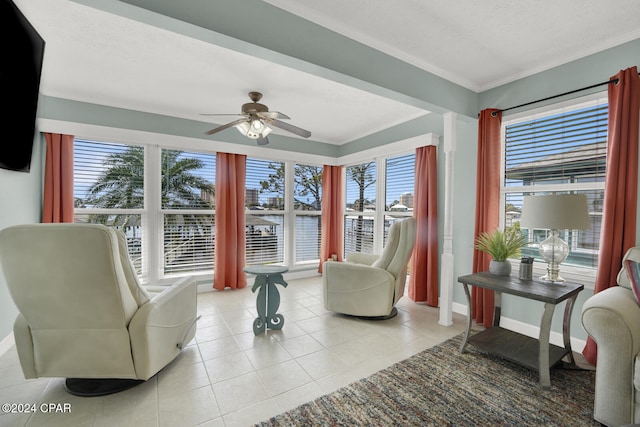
[[582, 274], [154, 142]]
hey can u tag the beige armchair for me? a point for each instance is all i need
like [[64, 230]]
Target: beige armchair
[[612, 318], [83, 315], [369, 285]]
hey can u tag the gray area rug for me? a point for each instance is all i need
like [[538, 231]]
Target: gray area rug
[[441, 387]]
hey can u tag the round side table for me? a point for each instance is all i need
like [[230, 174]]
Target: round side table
[[268, 299]]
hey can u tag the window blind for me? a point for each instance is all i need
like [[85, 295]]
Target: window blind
[[360, 198], [187, 203], [307, 204], [399, 189], [264, 200], [560, 148], [559, 152], [189, 243], [109, 189]]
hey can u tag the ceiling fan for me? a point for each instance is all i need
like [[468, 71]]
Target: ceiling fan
[[256, 121]]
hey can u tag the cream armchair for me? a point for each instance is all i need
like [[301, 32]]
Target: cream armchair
[[83, 315], [612, 318], [369, 285]]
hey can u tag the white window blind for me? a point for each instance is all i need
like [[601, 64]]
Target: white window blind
[[109, 189], [559, 152], [307, 205], [360, 198], [399, 189], [108, 175], [264, 200], [188, 199]]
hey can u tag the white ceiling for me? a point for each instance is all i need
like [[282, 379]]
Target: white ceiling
[[476, 44], [98, 57]]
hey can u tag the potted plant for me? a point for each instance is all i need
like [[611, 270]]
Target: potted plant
[[501, 245]]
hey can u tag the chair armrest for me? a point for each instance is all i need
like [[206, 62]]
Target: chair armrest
[[612, 318], [357, 289], [162, 326], [348, 277], [361, 258]]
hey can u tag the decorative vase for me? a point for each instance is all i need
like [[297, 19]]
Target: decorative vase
[[500, 268]]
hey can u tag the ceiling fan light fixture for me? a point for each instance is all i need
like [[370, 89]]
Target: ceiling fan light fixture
[[243, 128], [254, 129], [257, 125]]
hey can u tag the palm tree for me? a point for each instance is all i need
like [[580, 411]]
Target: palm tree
[[121, 186]]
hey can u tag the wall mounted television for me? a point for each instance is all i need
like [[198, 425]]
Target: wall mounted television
[[20, 70]]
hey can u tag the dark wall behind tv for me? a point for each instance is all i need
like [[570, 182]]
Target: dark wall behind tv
[[20, 69]]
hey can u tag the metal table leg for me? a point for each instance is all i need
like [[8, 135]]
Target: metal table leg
[[468, 330], [543, 343], [566, 327]]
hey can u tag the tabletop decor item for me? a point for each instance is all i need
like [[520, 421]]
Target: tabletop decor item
[[501, 245], [555, 212]]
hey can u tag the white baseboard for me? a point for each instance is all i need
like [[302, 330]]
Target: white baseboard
[[6, 344], [532, 331]]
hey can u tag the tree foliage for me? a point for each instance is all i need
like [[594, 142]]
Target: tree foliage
[[121, 186]]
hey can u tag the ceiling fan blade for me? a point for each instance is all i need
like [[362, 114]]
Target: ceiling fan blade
[[215, 114], [273, 115], [228, 125], [290, 128], [262, 140]]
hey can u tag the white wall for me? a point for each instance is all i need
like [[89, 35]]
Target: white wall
[[20, 202]]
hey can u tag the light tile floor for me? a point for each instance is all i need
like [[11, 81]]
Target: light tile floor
[[229, 377]]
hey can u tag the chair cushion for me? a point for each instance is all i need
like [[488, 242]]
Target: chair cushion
[[390, 248], [633, 274]]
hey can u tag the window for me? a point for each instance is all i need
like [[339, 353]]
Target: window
[[264, 201], [164, 200], [307, 208], [399, 189], [360, 208], [560, 151], [109, 189], [187, 201]]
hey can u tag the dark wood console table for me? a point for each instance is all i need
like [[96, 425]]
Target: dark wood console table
[[529, 352]]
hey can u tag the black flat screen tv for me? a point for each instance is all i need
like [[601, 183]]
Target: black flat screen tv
[[20, 70]]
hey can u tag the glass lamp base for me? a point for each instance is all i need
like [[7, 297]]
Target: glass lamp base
[[553, 274], [554, 251]]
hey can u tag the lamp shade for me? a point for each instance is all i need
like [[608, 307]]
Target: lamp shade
[[555, 212]]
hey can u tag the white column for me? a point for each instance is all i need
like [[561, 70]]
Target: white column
[[289, 222], [152, 219], [446, 260]]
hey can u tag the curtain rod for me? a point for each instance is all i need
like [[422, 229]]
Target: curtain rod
[[615, 81]]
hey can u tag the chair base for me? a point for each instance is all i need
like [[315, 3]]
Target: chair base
[[88, 387], [394, 313]]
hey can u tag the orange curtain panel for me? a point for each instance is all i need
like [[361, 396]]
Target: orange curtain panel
[[229, 258], [423, 276], [57, 204], [618, 232], [487, 205], [332, 222]]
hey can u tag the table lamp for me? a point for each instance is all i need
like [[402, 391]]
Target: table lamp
[[555, 212]]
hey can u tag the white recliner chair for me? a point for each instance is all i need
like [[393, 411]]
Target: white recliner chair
[[83, 314], [370, 285], [612, 318]]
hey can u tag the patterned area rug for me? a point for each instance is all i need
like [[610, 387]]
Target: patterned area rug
[[441, 387]]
